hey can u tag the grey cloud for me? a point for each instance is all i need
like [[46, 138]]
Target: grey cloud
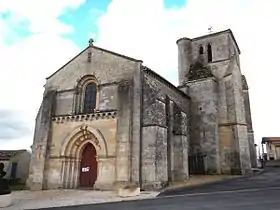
[[12, 126]]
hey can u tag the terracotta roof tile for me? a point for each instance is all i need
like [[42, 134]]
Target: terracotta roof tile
[[270, 139]]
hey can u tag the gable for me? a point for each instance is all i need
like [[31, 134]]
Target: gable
[[105, 65]]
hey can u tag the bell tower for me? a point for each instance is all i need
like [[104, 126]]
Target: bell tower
[[207, 49]]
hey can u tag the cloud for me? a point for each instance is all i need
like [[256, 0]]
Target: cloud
[[142, 29], [27, 60], [43, 15], [12, 126], [147, 30]]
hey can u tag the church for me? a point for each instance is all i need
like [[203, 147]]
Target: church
[[106, 120]]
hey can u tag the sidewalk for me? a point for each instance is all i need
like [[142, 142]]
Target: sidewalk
[[54, 198], [196, 180]]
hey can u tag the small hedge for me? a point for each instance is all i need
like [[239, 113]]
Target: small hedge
[[4, 187]]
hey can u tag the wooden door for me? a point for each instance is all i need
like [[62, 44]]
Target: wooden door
[[88, 170]]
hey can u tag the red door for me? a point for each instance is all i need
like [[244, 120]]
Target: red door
[[88, 170]]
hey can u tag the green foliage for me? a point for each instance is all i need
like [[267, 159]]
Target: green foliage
[[198, 71]]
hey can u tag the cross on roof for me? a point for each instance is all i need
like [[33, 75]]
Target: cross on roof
[[210, 29], [90, 42]]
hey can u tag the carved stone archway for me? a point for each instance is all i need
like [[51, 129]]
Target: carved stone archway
[[71, 152]]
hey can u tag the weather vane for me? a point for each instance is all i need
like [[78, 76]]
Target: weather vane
[[210, 29]]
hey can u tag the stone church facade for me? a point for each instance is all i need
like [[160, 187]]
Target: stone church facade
[[107, 120]]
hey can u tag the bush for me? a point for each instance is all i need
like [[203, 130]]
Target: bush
[[4, 187]]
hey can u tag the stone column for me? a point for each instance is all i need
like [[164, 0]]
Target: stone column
[[76, 173], [72, 172], [180, 145], [42, 138], [136, 128], [67, 173], [124, 124], [154, 167]]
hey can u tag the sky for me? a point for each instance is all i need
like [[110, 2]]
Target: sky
[[39, 36]]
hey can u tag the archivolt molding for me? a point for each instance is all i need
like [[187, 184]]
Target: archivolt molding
[[81, 85], [82, 81], [73, 144]]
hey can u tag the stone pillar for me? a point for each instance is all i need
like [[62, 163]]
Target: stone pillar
[[76, 173], [244, 152], [63, 172], [72, 172], [136, 128], [180, 150], [154, 167], [252, 148], [67, 173], [124, 126], [238, 155], [41, 142], [180, 145], [251, 140]]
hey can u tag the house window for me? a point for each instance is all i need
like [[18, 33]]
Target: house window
[[209, 53], [201, 50], [90, 98]]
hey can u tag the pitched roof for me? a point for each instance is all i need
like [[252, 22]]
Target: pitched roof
[[270, 139], [163, 80], [98, 48], [7, 154]]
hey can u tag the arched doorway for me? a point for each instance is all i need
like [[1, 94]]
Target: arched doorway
[[88, 169]]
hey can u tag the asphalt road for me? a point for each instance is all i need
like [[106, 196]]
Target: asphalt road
[[256, 193], [270, 178]]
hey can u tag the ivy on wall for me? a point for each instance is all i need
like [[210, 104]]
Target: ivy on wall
[[199, 71]]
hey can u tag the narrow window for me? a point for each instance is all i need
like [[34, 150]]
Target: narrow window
[[209, 53], [201, 50], [90, 98]]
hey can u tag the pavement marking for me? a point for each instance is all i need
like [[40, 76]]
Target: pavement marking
[[220, 192]]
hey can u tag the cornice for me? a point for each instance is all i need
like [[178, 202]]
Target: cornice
[[85, 117]]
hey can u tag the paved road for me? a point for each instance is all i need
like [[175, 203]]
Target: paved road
[[255, 193], [270, 178]]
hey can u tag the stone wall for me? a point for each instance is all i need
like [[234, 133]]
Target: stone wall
[[64, 130], [124, 127], [223, 48], [204, 122], [218, 43], [112, 72], [230, 161], [106, 66], [251, 139], [241, 124], [164, 132], [23, 161], [235, 158], [108, 99], [42, 136], [224, 115]]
